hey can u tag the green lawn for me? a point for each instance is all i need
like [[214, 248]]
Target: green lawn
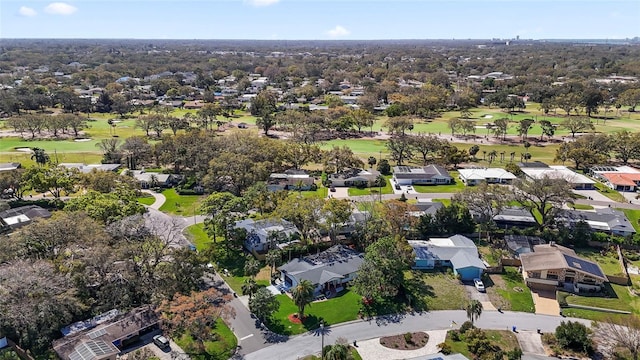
[[621, 300], [386, 189], [609, 262], [509, 291], [581, 207], [455, 187], [198, 236], [321, 192], [610, 193], [220, 349], [436, 290], [634, 217], [185, 205], [146, 200], [332, 311], [505, 339], [354, 355]]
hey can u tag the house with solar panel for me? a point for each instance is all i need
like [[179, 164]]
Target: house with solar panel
[[104, 336], [552, 266], [456, 252], [426, 175]]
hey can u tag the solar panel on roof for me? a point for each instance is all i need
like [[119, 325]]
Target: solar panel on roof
[[97, 333], [580, 264]]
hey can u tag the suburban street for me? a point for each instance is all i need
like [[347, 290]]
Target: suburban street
[[310, 342]]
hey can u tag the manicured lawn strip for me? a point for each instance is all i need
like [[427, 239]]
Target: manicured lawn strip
[[321, 192], [455, 187], [436, 290], [505, 339], [352, 350], [634, 217], [610, 193], [332, 311], [220, 349], [518, 300], [146, 200], [581, 207], [623, 300], [609, 262], [181, 204], [445, 202], [594, 315], [198, 236], [386, 189]]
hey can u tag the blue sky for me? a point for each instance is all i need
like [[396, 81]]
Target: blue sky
[[320, 19]]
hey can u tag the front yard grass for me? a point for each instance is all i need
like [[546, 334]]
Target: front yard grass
[[221, 348], [198, 236], [436, 290], [181, 204], [509, 291], [505, 339], [581, 207], [332, 311], [386, 189], [610, 193], [457, 186], [146, 200], [634, 217], [620, 299]]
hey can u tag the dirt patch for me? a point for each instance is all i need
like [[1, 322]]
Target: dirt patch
[[417, 340], [497, 300]]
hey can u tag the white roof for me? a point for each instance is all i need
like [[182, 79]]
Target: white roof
[[486, 173], [22, 218], [557, 172]]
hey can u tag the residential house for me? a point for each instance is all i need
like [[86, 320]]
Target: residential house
[[263, 235], [606, 220], [426, 207], [21, 216], [619, 178], [551, 266], [104, 336], [290, 180], [513, 216], [83, 168], [471, 177], [151, 179], [456, 252], [578, 181], [195, 104], [328, 271], [9, 166], [522, 244], [354, 178], [426, 175]]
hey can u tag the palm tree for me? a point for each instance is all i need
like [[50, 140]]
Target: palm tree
[[337, 352], [249, 287], [251, 267], [302, 295], [492, 156], [40, 156], [273, 258], [474, 310]]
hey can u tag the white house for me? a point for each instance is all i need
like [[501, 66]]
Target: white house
[[579, 181], [263, 235], [426, 175], [472, 177], [457, 252]]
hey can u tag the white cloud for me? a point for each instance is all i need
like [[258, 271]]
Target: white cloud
[[60, 8], [338, 31], [27, 11], [261, 3]]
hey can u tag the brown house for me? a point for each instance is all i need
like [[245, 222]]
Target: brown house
[[551, 266]]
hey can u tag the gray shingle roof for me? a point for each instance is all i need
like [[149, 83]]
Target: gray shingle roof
[[336, 262]]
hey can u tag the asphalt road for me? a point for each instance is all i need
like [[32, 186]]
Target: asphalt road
[[310, 343]]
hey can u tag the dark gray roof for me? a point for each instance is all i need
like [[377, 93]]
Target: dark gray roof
[[458, 249], [335, 262], [518, 214], [532, 164], [425, 172], [428, 208], [615, 219], [522, 243]]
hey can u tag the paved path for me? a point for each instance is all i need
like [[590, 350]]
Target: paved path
[[545, 302], [530, 342], [310, 342], [159, 199], [372, 350]]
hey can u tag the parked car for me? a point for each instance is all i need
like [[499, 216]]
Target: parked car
[[398, 187], [478, 284], [332, 189], [161, 341]]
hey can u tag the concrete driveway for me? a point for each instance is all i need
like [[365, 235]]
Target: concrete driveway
[[593, 194], [530, 342], [340, 193], [545, 302], [483, 297]]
